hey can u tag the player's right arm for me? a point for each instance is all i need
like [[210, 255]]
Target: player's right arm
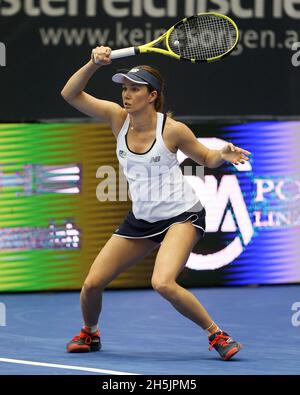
[[73, 92]]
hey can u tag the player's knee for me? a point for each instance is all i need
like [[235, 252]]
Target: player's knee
[[91, 285], [163, 287]]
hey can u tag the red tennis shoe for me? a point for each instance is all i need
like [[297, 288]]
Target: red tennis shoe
[[223, 343], [85, 342]]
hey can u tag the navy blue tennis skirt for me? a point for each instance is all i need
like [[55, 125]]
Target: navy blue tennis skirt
[[133, 228]]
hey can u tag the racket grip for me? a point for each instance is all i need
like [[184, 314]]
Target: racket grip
[[123, 53]]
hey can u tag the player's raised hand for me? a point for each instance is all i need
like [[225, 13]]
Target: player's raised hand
[[101, 56]]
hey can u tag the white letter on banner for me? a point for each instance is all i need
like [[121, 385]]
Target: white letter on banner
[[90, 7], [49, 10], [153, 11], [15, 6], [2, 55], [223, 6], [189, 8], [262, 187], [171, 8], [239, 11], [290, 9], [137, 9], [111, 10], [30, 9], [296, 56]]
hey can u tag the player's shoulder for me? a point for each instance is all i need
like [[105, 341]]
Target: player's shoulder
[[173, 132], [118, 120], [174, 127]]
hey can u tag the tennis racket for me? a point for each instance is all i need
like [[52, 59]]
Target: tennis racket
[[204, 37]]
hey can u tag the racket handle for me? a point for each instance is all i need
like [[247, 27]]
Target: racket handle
[[123, 53]]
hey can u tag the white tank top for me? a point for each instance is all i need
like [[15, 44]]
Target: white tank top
[[157, 186]]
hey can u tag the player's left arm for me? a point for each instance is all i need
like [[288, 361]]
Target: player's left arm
[[186, 141]]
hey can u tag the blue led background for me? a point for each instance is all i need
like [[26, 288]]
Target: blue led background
[[273, 254], [271, 192]]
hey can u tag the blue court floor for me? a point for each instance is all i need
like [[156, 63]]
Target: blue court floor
[[143, 334]]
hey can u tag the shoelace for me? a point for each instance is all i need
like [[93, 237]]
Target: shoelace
[[221, 338], [83, 335]]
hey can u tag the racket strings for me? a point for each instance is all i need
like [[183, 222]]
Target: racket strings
[[203, 37]]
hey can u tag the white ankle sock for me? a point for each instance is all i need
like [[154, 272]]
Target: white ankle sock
[[91, 329], [217, 329]]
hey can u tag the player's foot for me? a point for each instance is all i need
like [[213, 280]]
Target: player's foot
[[85, 342], [223, 343]]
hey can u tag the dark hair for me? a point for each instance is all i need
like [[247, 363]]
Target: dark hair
[[160, 100]]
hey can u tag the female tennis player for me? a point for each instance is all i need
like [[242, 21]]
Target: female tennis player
[[166, 212]]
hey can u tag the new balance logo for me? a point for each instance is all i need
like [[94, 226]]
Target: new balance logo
[[122, 153], [155, 159]]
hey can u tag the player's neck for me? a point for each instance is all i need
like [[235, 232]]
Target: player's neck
[[143, 121]]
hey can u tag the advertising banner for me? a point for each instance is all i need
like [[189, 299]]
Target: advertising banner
[[43, 42]]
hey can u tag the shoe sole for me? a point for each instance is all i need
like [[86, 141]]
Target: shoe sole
[[76, 349], [231, 353], [80, 351]]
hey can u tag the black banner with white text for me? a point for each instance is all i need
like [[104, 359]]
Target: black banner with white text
[[42, 42]]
